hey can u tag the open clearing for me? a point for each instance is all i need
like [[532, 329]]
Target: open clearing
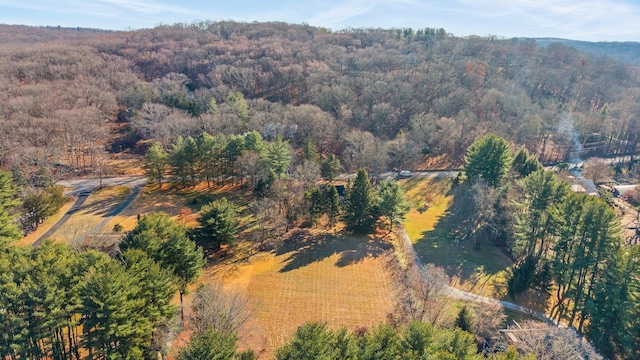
[[480, 272], [182, 204], [89, 218], [47, 224], [339, 280], [314, 276]]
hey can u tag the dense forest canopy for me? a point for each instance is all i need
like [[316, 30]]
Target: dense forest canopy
[[626, 51], [355, 92]]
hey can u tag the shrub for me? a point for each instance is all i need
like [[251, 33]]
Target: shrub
[[633, 197]]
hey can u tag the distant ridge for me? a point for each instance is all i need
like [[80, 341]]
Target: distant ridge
[[627, 51], [37, 34]]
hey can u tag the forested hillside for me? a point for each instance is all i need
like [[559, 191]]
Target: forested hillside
[[377, 98], [627, 51]]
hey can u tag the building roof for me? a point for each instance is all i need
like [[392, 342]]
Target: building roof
[[582, 185], [622, 190]]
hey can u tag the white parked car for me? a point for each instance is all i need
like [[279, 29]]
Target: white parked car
[[404, 174]]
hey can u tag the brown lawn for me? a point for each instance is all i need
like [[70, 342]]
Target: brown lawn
[[47, 224], [92, 213], [339, 280], [182, 204], [430, 225]]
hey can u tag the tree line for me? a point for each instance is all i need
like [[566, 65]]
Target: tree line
[[61, 303], [208, 158], [25, 204], [268, 169], [566, 245], [398, 93]]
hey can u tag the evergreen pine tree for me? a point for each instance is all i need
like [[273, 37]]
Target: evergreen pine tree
[[488, 158], [218, 221], [392, 202], [9, 230], [330, 167], [309, 151], [359, 211], [463, 320]]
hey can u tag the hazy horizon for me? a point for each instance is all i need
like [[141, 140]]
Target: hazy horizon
[[592, 20]]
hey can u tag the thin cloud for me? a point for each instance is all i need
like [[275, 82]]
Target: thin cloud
[[593, 19], [101, 8], [338, 14], [148, 7], [586, 20]]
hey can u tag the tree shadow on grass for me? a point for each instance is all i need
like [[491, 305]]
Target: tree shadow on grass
[[196, 198], [103, 207], [448, 247], [304, 248]]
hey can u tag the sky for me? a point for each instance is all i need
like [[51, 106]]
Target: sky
[[591, 20]]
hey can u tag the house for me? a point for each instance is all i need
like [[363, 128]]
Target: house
[[584, 186], [623, 190]]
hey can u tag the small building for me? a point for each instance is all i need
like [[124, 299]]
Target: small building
[[623, 190], [584, 186]]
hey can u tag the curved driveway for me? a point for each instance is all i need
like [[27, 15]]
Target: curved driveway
[[82, 188], [464, 295]]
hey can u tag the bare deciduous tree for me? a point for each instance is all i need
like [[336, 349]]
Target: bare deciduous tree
[[421, 293], [270, 222], [219, 310], [598, 170], [364, 150], [548, 342], [487, 320], [308, 173]]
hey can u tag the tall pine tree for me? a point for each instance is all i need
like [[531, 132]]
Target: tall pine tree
[[359, 211], [155, 163]]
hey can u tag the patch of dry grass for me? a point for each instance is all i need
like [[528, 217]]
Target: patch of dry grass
[[168, 200], [47, 224], [430, 201], [181, 204], [482, 272], [125, 164], [338, 280], [92, 213]]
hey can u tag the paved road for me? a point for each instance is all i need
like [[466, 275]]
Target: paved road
[[82, 188], [415, 174], [81, 199], [464, 295]]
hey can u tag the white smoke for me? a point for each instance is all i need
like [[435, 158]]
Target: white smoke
[[567, 129]]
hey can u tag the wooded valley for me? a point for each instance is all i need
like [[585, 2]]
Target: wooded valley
[[252, 124], [400, 93]]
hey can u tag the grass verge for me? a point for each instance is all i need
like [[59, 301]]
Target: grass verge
[[430, 226], [97, 207], [338, 280]]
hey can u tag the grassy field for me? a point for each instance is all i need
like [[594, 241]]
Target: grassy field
[[338, 280], [182, 204], [47, 224], [313, 277], [92, 213], [430, 226], [430, 202]]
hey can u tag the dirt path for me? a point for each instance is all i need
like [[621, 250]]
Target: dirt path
[[408, 249]]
